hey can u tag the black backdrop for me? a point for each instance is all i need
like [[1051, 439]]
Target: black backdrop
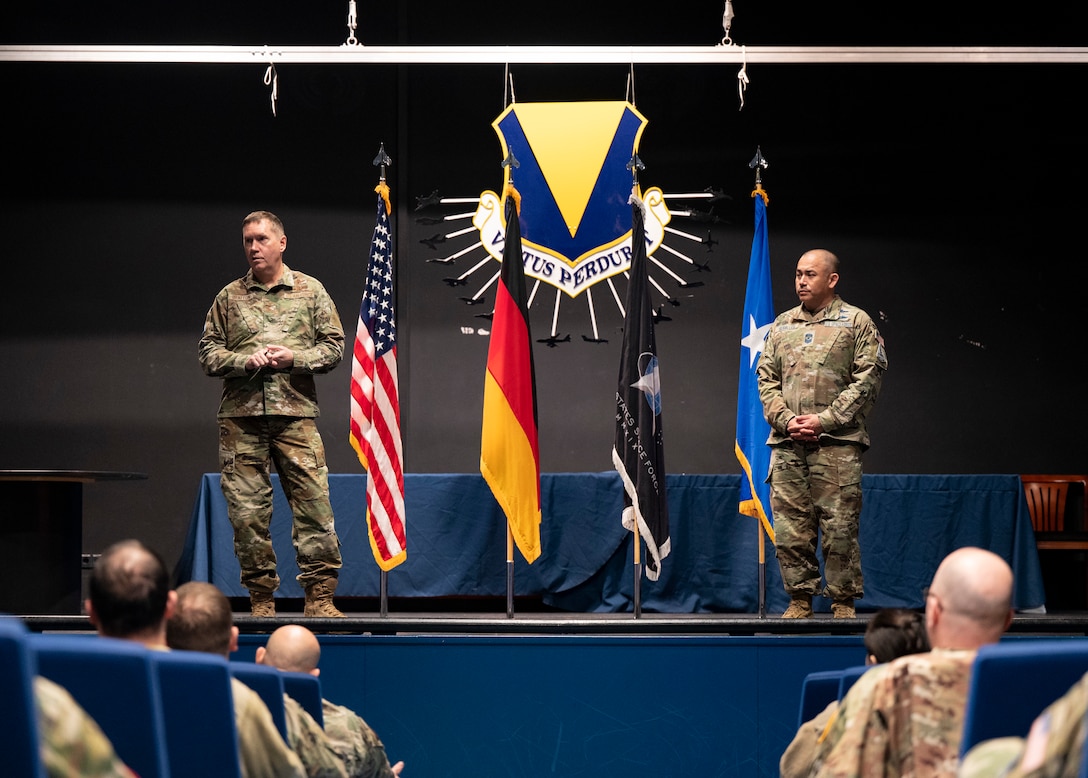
[[952, 193]]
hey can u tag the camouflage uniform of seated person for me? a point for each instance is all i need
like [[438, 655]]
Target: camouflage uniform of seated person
[[905, 718], [293, 648], [203, 621]]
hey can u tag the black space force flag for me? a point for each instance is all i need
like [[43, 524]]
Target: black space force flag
[[637, 453]]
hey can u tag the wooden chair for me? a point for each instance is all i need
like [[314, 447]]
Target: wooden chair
[[1057, 527], [1047, 497]]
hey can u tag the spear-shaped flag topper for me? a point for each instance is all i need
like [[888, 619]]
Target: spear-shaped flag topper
[[382, 160]]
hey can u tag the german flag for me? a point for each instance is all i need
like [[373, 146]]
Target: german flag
[[509, 455]]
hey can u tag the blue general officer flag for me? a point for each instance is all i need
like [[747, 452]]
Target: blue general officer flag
[[752, 428]]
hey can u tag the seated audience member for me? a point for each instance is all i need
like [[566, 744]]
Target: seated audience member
[[1054, 745], [294, 648], [130, 598], [72, 744], [203, 621], [890, 633], [905, 717], [129, 594]]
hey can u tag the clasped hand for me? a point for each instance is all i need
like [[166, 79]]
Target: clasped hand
[[805, 428], [276, 357]]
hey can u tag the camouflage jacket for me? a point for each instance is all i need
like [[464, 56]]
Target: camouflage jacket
[[903, 718], [297, 313], [830, 363], [71, 741], [358, 745], [310, 742], [263, 752]]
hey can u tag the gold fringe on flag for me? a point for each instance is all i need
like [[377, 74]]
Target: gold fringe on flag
[[383, 189], [512, 192]]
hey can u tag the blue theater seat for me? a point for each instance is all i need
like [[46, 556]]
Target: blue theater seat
[[198, 712], [1013, 681], [849, 676], [306, 690], [817, 690], [268, 683], [115, 682], [19, 734]]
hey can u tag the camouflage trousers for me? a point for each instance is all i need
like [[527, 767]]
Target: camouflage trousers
[[816, 493], [248, 447]]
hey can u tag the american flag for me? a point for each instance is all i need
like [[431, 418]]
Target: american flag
[[375, 402]]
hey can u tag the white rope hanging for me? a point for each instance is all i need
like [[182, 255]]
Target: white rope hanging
[[742, 74], [742, 78], [271, 78]]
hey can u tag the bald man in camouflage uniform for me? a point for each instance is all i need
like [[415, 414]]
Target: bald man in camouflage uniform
[[267, 334], [905, 718], [295, 649], [818, 376]]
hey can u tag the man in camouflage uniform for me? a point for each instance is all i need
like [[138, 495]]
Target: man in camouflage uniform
[[818, 378], [905, 717], [266, 335], [203, 622], [293, 648], [131, 599], [1054, 747]]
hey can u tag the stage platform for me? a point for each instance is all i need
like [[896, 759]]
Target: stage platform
[[593, 624]]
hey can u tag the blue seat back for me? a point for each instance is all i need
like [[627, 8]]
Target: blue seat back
[[1013, 681], [198, 713], [817, 690], [114, 681], [19, 733], [268, 683], [306, 690], [849, 676]]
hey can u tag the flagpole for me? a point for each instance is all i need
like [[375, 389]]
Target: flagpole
[[638, 574], [509, 571], [384, 594], [762, 571]]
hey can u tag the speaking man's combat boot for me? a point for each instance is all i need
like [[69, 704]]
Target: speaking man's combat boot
[[843, 609], [319, 599], [262, 604], [800, 607]]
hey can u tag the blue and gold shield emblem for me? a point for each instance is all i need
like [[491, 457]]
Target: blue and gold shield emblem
[[575, 182]]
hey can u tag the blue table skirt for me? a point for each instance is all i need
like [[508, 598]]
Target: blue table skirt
[[457, 542]]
